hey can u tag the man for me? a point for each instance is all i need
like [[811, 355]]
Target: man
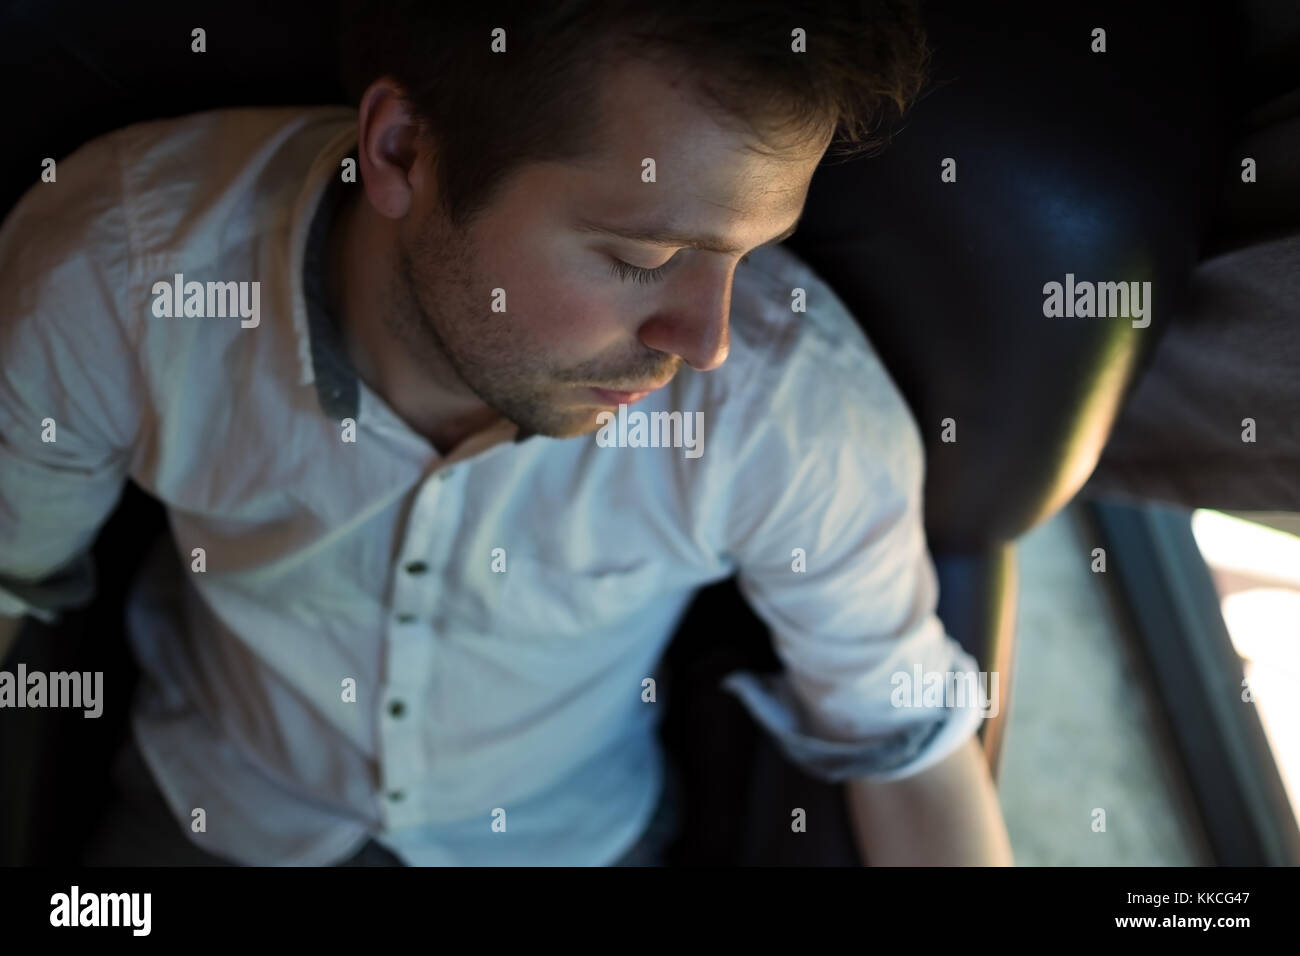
[[379, 365]]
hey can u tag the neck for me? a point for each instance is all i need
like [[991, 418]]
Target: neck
[[361, 251]]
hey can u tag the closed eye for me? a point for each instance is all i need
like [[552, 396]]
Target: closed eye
[[630, 273]]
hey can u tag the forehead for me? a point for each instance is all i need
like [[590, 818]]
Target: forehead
[[705, 171]]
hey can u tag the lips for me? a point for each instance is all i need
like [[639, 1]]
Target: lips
[[624, 398]]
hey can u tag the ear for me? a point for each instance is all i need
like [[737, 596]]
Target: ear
[[396, 158]]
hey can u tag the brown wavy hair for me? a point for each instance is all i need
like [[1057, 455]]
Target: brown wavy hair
[[491, 113]]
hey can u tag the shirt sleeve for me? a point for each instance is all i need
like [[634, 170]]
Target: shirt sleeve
[[827, 531], [69, 380]]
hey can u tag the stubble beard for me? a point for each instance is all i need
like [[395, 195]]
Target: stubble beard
[[441, 314]]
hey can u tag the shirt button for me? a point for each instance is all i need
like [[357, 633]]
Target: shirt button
[[405, 618], [397, 708], [395, 795], [416, 567], [444, 475]]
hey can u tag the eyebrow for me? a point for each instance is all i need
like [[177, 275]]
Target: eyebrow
[[665, 236]]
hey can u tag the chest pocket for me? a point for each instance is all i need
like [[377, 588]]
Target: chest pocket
[[535, 598]]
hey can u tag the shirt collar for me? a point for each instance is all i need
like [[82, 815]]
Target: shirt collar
[[337, 386]]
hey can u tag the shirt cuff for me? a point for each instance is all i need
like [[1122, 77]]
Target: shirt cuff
[[70, 587], [891, 755]]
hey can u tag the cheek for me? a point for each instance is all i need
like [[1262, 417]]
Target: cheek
[[570, 307], [561, 291], [569, 316]]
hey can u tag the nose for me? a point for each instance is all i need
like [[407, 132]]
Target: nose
[[699, 331]]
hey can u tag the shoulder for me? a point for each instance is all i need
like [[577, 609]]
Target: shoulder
[[237, 170], [141, 195], [226, 137], [802, 378]]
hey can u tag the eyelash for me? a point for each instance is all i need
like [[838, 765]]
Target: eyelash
[[631, 273]]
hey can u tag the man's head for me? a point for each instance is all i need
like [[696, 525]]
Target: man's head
[[528, 170]]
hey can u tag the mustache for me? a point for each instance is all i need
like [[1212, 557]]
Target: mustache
[[624, 380]]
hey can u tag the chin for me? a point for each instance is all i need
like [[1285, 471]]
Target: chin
[[567, 423], [548, 410]]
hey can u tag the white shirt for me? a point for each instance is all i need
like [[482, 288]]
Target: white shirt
[[480, 696]]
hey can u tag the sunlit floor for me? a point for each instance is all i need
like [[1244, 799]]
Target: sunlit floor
[[1086, 777]]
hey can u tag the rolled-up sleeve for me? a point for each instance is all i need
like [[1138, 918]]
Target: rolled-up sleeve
[[69, 380], [831, 553]]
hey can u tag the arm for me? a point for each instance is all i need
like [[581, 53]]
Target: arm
[[833, 476], [947, 815], [70, 384]]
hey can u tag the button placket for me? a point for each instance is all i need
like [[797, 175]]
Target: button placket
[[414, 589], [410, 658]]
